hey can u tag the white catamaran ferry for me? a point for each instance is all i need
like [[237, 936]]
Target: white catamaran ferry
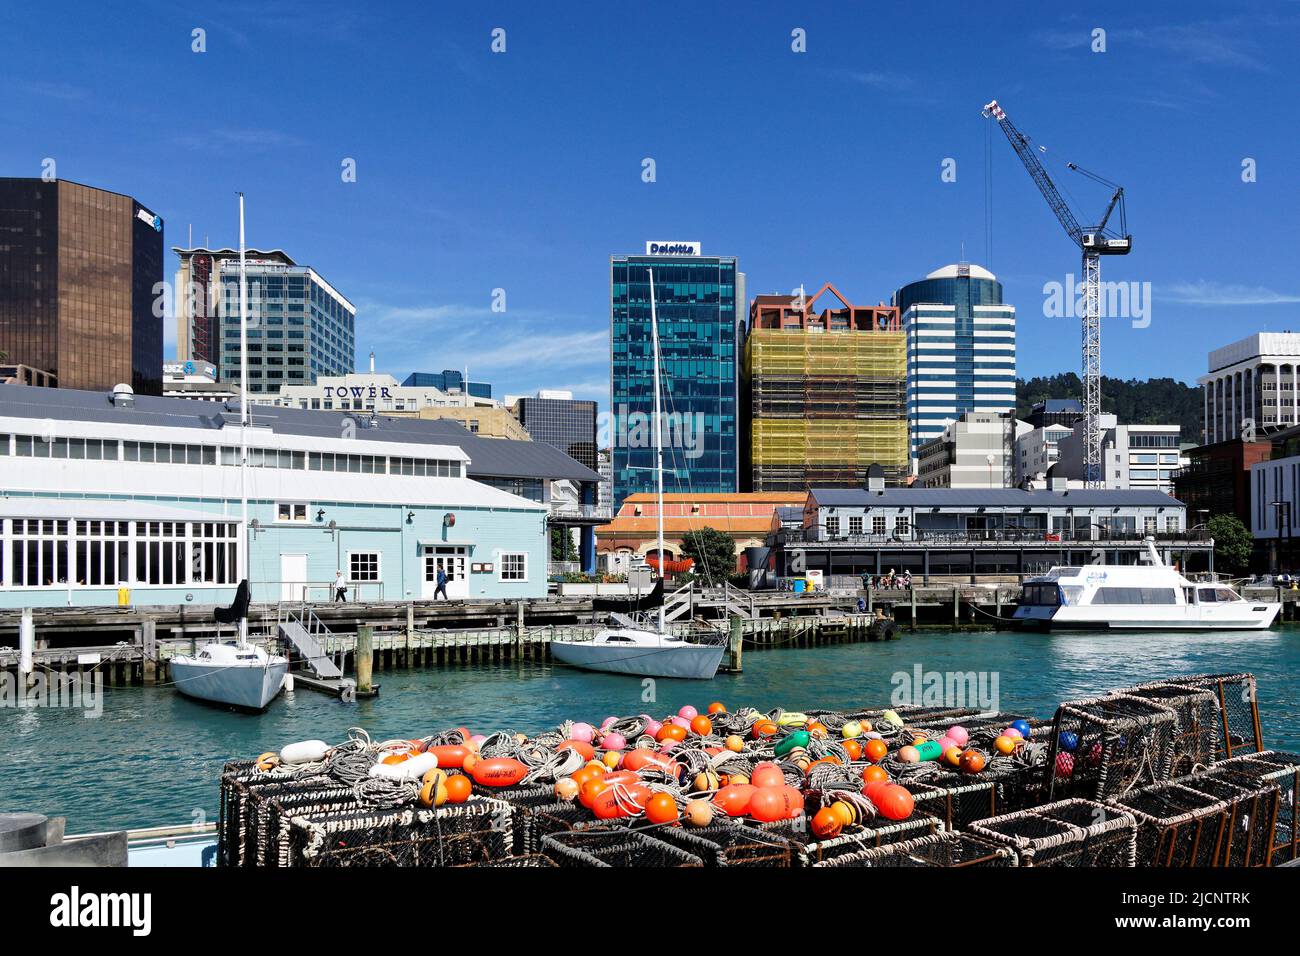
[[1150, 596]]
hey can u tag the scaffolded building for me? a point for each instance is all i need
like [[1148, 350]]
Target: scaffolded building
[[826, 393]]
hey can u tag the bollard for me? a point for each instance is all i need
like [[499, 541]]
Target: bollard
[[364, 657]]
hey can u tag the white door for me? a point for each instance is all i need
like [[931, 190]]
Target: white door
[[293, 575], [452, 560]]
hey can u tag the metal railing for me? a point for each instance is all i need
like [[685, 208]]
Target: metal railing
[[322, 592], [994, 536]]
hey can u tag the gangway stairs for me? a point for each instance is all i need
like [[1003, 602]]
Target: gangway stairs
[[313, 641]]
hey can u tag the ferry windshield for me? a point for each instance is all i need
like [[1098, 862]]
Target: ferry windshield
[[1040, 595], [1217, 595]]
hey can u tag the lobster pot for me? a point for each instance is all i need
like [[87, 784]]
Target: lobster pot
[[522, 799], [731, 844], [957, 804], [476, 831], [1282, 769], [913, 716], [1196, 742], [1074, 833], [243, 792], [533, 861], [1109, 745], [1239, 728], [613, 847], [949, 849], [558, 816], [1176, 826], [271, 831], [1252, 814], [809, 849]]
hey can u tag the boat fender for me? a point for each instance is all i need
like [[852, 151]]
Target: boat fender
[[450, 755], [305, 751], [499, 772], [930, 750], [412, 769]]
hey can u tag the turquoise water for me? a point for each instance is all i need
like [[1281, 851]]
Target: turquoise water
[[153, 757]]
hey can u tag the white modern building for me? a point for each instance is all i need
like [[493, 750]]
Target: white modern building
[[1037, 450], [961, 348], [1135, 457], [368, 392], [1251, 384], [196, 379], [974, 451]]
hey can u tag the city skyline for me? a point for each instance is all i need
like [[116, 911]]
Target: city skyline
[[522, 171]]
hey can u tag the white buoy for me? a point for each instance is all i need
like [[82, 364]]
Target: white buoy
[[288, 683], [26, 641]]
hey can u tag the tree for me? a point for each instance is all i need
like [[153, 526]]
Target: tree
[[1232, 543], [713, 552]]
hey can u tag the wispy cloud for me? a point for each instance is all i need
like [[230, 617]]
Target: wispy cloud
[[247, 138], [49, 90], [1206, 293], [894, 82], [1212, 43]]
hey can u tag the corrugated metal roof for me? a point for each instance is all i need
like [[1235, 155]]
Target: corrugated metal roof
[[489, 457], [990, 498]]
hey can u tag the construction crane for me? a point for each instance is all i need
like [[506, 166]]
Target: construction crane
[[1094, 242]]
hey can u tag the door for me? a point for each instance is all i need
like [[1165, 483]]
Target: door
[[293, 576], [452, 560]]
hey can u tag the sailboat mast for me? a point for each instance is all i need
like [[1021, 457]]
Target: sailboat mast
[[242, 562], [659, 440]]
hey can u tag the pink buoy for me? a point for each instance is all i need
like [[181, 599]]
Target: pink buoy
[[667, 745], [1013, 734], [682, 722], [945, 742], [605, 724], [652, 728], [477, 740], [959, 735], [583, 732], [688, 713], [613, 741], [1064, 765]]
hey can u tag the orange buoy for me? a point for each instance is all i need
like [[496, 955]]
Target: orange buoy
[[671, 732], [826, 823], [450, 756], [699, 813], [972, 761], [733, 799], [893, 801], [433, 788], [717, 707], [566, 788], [590, 790], [662, 808], [581, 746], [621, 800], [638, 758], [701, 725], [458, 788], [767, 775], [396, 758], [874, 774], [734, 744], [470, 762], [764, 728], [498, 772], [707, 780], [875, 749], [853, 748], [767, 804]]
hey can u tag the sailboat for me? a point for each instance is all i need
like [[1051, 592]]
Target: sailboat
[[239, 675], [643, 651]]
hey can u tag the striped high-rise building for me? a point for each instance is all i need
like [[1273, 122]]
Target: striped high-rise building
[[961, 348]]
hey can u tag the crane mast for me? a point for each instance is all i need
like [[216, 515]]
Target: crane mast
[[1093, 243]]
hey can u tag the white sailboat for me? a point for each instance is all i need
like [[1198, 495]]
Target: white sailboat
[[639, 650], [240, 674], [1151, 596]]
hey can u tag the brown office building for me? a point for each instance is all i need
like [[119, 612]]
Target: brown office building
[[79, 268]]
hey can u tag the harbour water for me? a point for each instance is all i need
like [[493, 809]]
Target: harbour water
[[153, 757]]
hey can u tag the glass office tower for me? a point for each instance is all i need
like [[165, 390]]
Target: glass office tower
[[80, 270], [299, 326], [961, 348], [699, 300], [568, 424]]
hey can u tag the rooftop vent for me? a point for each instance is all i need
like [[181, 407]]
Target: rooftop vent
[[122, 396], [875, 478]]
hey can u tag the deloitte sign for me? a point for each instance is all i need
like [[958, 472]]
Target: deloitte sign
[[672, 248]]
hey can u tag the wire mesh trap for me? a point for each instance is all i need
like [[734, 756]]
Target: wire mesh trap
[[948, 849], [1239, 709], [809, 849], [613, 847], [476, 831], [956, 804], [1197, 739], [1282, 769], [1176, 826], [1108, 745], [1069, 833], [731, 844], [1253, 808]]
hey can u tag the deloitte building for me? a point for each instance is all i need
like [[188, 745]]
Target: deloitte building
[[101, 491]]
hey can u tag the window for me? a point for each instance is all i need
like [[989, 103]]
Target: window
[[855, 524], [1171, 523], [1135, 596], [902, 526], [363, 565], [1040, 595], [290, 511], [832, 526], [878, 524], [514, 566], [1149, 525]]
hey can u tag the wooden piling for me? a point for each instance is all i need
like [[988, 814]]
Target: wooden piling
[[365, 658], [149, 642]]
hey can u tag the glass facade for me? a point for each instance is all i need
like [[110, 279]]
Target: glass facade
[[78, 279], [961, 348], [697, 299], [448, 380], [567, 424], [299, 328]]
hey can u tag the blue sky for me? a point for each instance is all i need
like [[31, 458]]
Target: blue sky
[[522, 171]]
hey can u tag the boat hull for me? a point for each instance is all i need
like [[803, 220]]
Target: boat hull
[[1250, 617], [245, 687], [688, 661]]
